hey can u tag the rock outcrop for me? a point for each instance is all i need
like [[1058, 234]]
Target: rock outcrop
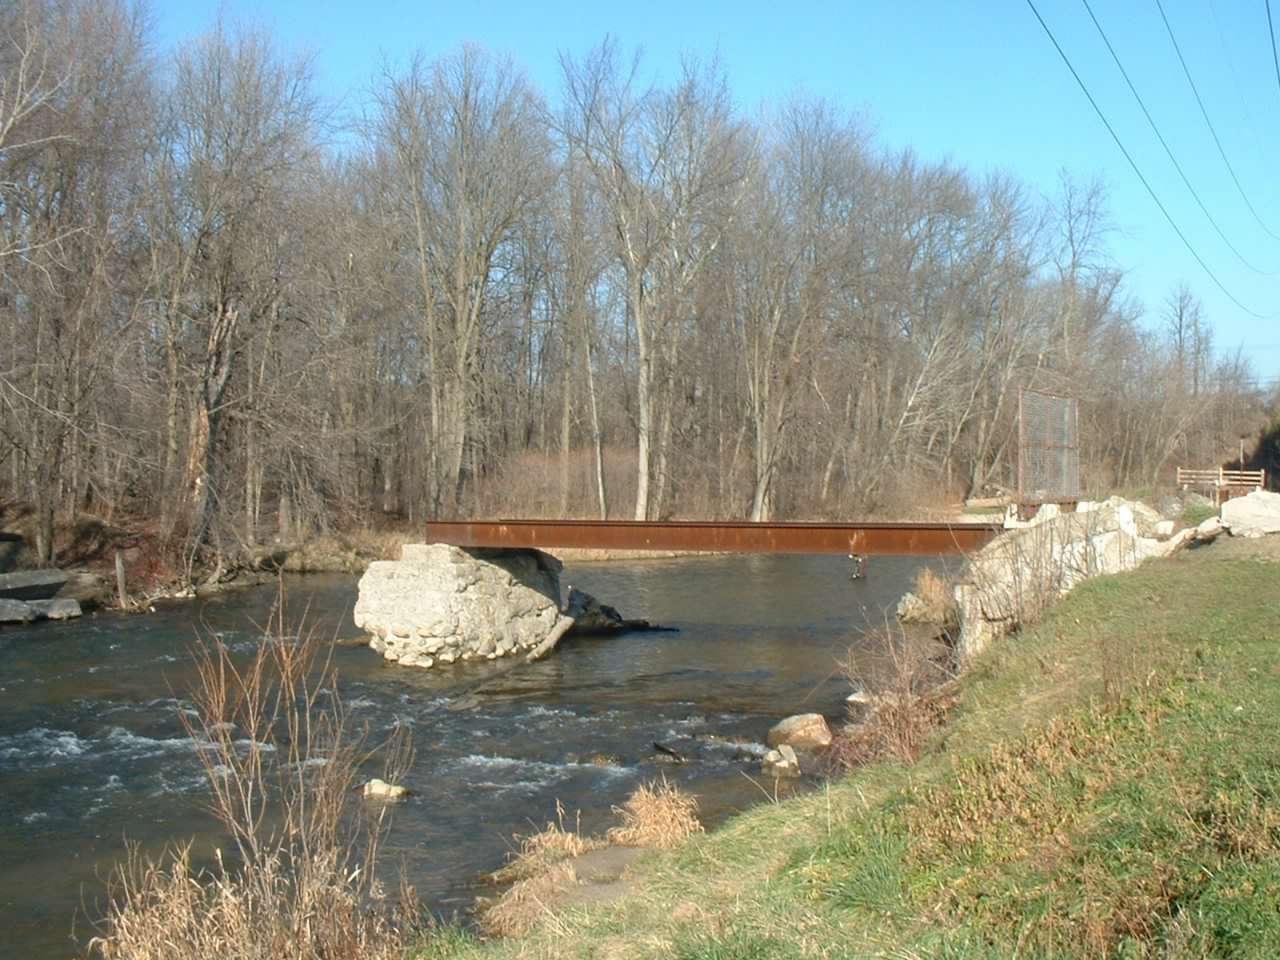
[[1017, 576], [441, 604], [1254, 515]]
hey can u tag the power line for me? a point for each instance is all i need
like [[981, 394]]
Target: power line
[[1168, 151], [1245, 111], [1114, 136], [1271, 30], [1209, 123]]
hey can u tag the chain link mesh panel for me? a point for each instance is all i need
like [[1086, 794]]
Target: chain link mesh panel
[[1048, 448]]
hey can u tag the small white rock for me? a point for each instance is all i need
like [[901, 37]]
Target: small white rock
[[378, 789]]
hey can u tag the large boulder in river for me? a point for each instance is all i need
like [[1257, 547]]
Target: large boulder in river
[[804, 731], [1253, 515], [440, 604]]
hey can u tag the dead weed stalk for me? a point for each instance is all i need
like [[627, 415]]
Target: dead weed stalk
[[282, 762]]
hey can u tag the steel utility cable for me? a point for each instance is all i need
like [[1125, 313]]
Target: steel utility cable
[[1209, 123], [1168, 151], [1137, 171], [1272, 31]]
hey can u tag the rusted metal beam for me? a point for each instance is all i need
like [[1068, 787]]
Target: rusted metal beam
[[865, 539]]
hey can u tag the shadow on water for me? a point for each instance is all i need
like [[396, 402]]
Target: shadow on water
[[92, 750]]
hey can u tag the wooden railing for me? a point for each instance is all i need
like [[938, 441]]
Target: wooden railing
[[1220, 478]]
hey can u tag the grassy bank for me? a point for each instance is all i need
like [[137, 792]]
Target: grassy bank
[[1109, 785]]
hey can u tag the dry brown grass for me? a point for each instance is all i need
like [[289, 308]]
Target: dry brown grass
[[657, 814], [527, 903], [283, 764], [540, 851], [937, 595]]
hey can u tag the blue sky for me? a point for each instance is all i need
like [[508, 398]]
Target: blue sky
[[977, 83]]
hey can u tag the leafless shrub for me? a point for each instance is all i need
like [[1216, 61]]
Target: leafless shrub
[[282, 763], [657, 814], [908, 698]]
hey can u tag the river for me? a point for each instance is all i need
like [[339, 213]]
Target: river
[[93, 754]]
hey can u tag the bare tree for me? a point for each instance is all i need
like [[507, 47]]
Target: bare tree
[[668, 166]]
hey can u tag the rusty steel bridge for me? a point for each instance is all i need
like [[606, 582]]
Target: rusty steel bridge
[[857, 539]]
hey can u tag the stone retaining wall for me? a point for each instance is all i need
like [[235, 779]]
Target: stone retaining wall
[[1017, 576]]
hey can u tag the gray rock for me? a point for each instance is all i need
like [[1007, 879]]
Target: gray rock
[[1164, 529], [781, 762], [1254, 515], [590, 615], [56, 609], [31, 584], [16, 611], [804, 731]]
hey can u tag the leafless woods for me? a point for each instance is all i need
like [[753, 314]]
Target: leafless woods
[[625, 298]]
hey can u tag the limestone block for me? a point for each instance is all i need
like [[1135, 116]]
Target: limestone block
[[1254, 515], [1017, 576]]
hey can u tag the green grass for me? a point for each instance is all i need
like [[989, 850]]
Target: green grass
[[1194, 514], [1108, 786]]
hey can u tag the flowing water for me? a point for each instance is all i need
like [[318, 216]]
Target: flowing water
[[93, 755]]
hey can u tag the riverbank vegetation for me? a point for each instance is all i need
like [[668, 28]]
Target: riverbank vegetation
[[231, 315], [1105, 785], [299, 876]]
